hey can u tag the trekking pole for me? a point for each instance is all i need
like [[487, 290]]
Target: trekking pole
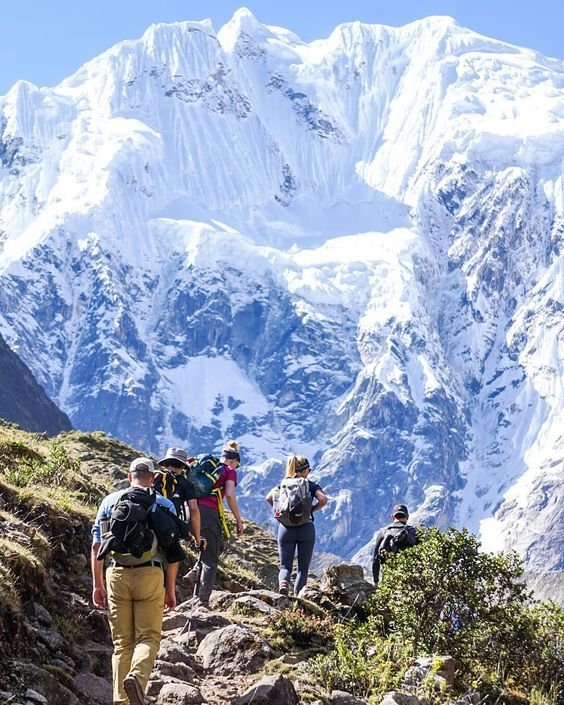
[[188, 626]]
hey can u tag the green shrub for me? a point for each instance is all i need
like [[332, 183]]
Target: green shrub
[[54, 470], [303, 629], [445, 596], [363, 661]]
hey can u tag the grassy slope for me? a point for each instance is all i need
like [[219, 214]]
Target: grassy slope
[[49, 491]]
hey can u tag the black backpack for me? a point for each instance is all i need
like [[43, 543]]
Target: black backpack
[[395, 539], [168, 527], [129, 530], [167, 484]]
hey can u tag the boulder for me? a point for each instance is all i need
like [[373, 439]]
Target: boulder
[[46, 685], [393, 697], [176, 670], [340, 697], [52, 639], [179, 694], [346, 584], [174, 652], [234, 649], [267, 597], [443, 668], [251, 605], [42, 615], [35, 697], [94, 687], [270, 690]]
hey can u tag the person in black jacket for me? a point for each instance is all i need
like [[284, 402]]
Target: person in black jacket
[[392, 538], [173, 484]]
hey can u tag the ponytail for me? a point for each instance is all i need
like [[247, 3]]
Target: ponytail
[[296, 464]]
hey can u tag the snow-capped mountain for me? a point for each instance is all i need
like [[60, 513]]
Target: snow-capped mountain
[[349, 249]]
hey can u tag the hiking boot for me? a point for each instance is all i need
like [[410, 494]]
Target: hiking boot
[[283, 588], [204, 604], [133, 690]]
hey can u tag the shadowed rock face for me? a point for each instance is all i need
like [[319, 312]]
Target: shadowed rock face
[[23, 401]]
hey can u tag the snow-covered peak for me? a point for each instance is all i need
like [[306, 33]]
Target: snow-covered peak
[[243, 20], [346, 248]]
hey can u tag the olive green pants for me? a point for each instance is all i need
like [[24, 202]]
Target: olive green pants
[[135, 613]]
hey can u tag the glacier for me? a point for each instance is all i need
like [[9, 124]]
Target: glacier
[[349, 249]]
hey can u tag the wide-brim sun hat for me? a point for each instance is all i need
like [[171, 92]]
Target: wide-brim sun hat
[[177, 454]]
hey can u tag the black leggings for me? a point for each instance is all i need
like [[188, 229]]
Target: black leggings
[[289, 538]]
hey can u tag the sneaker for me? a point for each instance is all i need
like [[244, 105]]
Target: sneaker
[[283, 589], [203, 603], [133, 690]]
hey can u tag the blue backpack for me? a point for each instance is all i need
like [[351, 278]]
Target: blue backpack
[[204, 473]]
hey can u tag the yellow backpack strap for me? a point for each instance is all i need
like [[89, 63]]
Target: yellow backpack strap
[[162, 473], [221, 510]]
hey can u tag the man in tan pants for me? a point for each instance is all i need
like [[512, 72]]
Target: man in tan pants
[[135, 593]]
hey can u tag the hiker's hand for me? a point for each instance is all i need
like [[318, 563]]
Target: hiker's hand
[[203, 544], [240, 527], [100, 598], [170, 599]]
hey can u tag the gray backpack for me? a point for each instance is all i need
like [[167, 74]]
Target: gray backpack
[[294, 502]]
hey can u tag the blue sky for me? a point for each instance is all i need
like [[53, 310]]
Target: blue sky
[[45, 41]]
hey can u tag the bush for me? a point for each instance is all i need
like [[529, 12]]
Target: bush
[[364, 661], [303, 629], [54, 470], [444, 596], [468, 603]]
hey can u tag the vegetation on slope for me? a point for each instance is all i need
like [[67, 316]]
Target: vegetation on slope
[[445, 597], [442, 597]]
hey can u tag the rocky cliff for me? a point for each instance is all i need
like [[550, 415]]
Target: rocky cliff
[[23, 401]]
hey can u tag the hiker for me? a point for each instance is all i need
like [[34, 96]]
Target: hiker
[[392, 538], [294, 506], [211, 514], [174, 485], [134, 592]]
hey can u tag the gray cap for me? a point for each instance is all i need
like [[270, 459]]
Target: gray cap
[[175, 454], [142, 465]]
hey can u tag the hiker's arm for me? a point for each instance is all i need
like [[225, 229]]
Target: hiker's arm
[[375, 559], [195, 520], [171, 571], [322, 500], [377, 543], [232, 502], [270, 497], [99, 596], [376, 571]]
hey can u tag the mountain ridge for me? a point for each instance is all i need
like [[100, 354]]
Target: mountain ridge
[[348, 249], [23, 401]]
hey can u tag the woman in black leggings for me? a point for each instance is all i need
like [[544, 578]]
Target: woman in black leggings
[[295, 500]]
